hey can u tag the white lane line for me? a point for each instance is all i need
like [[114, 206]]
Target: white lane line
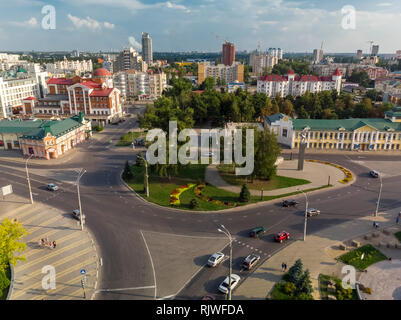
[[126, 289], [151, 261]]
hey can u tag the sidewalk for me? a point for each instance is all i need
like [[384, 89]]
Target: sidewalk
[[318, 254], [75, 250], [317, 173]]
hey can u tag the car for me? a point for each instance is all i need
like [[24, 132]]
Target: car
[[215, 259], [257, 232], [76, 214], [225, 285], [374, 174], [115, 123], [290, 203], [250, 261], [283, 235], [52, 187], [311, 212]]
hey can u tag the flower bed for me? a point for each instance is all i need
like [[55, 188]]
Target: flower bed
[[198, 192], [175, 195], [348, 174]]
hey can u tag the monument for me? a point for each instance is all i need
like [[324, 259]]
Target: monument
[[302, 147]]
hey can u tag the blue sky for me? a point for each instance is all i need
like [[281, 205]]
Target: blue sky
[[202, 25]]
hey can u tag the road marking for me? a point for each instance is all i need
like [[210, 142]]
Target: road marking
[[151, 261], [125, 289]]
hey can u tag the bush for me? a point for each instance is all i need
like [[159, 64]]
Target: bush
[[193, 204], [4, 282], [289, 288], [97, 128], [368, 290], [245, 195]]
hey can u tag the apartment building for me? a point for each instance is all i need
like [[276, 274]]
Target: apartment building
[[70, 66], [291, 84], [260, 62], [128, 59], [220, 72]]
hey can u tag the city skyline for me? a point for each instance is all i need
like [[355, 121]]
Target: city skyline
[[91, 25]]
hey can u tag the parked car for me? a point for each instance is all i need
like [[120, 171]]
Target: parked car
[[281, 236], [225, 285], [290, 203], [374, 174], [215, 259], [250, 261], [311, 212], [77, 215], [257, 232], [52, 187]]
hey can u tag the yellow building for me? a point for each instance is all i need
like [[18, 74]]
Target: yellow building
[[345, 134], [220, 71]]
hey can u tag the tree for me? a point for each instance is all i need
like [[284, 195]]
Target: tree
[[360, 77], [287, 108], [127, 173], [295, 273], [244, 195], [266, 152], [305, 284], [208, 84], [11, 247], [4, 282]]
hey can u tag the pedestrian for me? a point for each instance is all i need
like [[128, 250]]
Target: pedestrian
[[397, 219], [54, 244], [374, 224], [283, 267]]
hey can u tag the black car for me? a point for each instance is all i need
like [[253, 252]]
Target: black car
[[374, 174], [257, 232], [289, 203]]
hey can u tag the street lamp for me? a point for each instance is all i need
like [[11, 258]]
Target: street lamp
[[146, 178], [27, 177], [228, 234], [380, 195], [81, 173], [306, 212]]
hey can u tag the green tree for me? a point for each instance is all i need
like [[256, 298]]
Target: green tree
[[295, 273], [244, 195], [267, 150], [305, 284], [11, 247], [360, 77], [208, 84]]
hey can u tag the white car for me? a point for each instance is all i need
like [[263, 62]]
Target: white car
[[52, 187], [77, 215], [312, 212], [215, 259], [224, 286]]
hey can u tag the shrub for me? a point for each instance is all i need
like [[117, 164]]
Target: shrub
[[193, 204], [245, 195], [4, 282], [289, 288], [368, 290]]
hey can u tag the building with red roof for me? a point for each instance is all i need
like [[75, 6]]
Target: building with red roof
[[297, 85]]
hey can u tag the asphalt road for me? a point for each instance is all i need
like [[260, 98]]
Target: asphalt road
[[124, 225]]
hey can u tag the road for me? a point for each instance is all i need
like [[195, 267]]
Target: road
[[142, 248]]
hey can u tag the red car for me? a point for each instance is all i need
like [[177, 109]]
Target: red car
[[283, 235]]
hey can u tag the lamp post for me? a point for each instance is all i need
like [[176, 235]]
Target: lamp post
[[81, 173], [306, 212], [380, 195], [146, 178], [228, 234], [27, 177]]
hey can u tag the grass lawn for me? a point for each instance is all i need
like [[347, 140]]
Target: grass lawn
[[324, 292], [5, 291], [127, 139], [161, 188], [277, 182], [398, 235], [278, 292], [372, 255]]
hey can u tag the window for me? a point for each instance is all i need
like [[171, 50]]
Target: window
[[285, 132]]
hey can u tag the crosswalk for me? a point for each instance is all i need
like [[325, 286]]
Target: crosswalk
[[75, 251]]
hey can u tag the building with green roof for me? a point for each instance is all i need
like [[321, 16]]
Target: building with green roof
[[344, 134], [44, 139]]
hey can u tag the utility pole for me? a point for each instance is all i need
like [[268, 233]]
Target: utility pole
[[27, 177], [79, 199], [146, 178], [380, 195], [228, 234]]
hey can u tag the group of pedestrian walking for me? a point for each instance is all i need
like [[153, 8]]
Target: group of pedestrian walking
[[46, 243]]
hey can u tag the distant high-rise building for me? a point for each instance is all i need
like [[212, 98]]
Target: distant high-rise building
[[276, 53], [359, 54], [317, 55], [129, 59], [232, 73], [147, 52], [398, 54], [375, 50], [228, 53]]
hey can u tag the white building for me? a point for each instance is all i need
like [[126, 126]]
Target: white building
[[128, 59], [234, 86], [291, 84], [260, 62], [9, 60], [70, 66], [13, 91]]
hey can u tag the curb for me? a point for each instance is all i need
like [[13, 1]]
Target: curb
[[10, 289]]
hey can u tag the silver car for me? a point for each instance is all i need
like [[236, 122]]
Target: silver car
[[77, 215], [225, 285], [215, 259], [312, 212], [52, 187]]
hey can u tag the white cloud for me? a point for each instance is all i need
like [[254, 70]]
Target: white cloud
[[384, 4], [135, 44], [89, 23], [32, 23], [171, 5]]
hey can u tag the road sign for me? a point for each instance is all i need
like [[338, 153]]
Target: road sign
[[7, 190], [83, 271]]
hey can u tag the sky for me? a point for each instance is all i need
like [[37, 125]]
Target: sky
[[202, 25]]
